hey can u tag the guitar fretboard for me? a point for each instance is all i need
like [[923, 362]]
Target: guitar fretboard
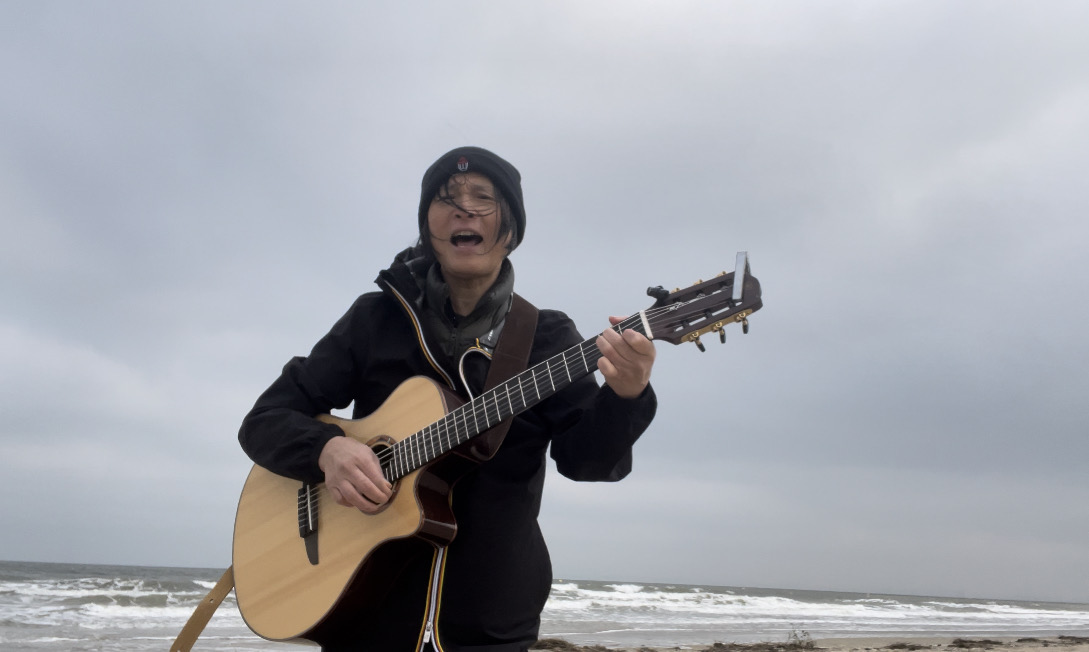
[[501, 402]]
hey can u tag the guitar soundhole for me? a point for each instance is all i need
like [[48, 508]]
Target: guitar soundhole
[[381, 446]]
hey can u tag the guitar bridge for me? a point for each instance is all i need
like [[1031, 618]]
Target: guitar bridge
[[308, 521]]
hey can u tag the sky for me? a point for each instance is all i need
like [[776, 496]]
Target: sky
[[193, 193]]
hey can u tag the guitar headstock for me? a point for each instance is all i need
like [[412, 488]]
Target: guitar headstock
[[683, 315]]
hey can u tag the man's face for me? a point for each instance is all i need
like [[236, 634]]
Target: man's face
[[464, 224]]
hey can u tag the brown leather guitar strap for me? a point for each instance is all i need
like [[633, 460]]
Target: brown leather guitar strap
[[511, 353], [203, 613], [510, 358]]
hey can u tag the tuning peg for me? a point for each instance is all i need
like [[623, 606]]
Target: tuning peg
[[745, 326], [699, 345], [722, 335]]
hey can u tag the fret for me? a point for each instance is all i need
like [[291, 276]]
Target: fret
[[457, 422], [469, 430], [416, 443], [494, 394], [442, 431], [484, 409], [454, 419], [461, 432], [472, 410], [448, 427], [436, 442]]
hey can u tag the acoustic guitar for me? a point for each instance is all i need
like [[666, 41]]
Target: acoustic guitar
[[300, 559]]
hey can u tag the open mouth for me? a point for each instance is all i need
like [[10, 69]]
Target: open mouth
[[465, 239]]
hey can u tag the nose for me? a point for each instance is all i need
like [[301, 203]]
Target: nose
[[466, 208]]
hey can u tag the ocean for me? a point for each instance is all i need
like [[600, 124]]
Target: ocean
[[90, 607]]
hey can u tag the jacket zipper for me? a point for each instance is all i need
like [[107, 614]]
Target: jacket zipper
[[429, 634], [433, 602], [418, 325]]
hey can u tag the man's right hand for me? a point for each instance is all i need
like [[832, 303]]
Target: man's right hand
[[353, 475]]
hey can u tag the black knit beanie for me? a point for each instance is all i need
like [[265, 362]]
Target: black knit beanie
[[475, 159]]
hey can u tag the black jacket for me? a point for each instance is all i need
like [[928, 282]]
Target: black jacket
[[496, 574]]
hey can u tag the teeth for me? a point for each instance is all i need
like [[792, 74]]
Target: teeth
[[465, 236]]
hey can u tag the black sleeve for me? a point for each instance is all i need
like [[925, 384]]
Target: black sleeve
[[280, 432], [593, 428]]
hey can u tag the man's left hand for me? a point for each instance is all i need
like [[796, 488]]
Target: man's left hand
[[627, 360]]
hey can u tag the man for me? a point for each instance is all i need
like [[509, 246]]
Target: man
[[441, 304]]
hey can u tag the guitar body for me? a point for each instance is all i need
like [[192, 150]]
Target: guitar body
[[281, 594]]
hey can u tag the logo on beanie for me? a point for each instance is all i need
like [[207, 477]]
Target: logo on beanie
[[463, 164]]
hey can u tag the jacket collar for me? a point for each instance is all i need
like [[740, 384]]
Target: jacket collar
[[417, 283]]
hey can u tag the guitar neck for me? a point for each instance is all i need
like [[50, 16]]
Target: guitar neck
[[504, 401]]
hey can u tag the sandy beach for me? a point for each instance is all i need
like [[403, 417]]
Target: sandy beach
[[894, 644]]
